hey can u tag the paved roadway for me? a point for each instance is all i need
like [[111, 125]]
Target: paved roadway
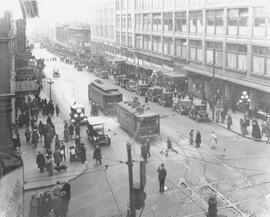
[[237, 171]]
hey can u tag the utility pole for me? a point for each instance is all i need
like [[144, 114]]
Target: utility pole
[[131, 191], [50, 82], [213, 86]]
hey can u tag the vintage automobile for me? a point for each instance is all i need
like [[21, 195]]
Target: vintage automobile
[[166, 99], [131, 86], [103, 74], [182, 106], [77, 113], [56, 73], [198, 112], [118, 79], [79, 67], [154, 93], [141, 88], [95, 132]]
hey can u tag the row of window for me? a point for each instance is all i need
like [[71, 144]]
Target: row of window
[[236, 55], [104, 31], [237, 22], [155, 4]]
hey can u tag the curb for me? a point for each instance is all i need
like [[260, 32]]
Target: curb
[[239, 134], [50, 185]]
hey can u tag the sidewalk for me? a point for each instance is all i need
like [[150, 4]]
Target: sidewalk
[[236, 122], [33, 179]]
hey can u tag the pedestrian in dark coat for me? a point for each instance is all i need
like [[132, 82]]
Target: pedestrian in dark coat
[[57, 157], [97, 154], [47, 141], [71, 130], [40, 161], [35, 138], [57, 142], [66, 197], [162, 173], [33, 206], [41, 127], [49, 120], [47, 203], [57, 110], [191, 137], [66, 135], [27, 135], [144, 152], [83, 154], [256, 132], [169, 147], [198, 139]]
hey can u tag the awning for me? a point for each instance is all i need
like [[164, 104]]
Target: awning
[[241, 80], [174, 75]]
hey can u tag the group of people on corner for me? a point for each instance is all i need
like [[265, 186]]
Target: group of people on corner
[[198, 139], [51, 203]]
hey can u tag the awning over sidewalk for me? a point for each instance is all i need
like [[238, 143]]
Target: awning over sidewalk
[[241, 80], [174, 74]]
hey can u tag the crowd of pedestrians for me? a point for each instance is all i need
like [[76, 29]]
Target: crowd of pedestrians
[[54, 202]]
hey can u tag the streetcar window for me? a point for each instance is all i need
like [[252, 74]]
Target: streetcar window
[[149, 121]]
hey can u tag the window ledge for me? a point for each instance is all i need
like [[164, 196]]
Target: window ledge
[[211, 65], [194, 61], [236, 70], [265, 76]]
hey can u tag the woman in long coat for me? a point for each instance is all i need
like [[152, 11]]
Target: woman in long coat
[[97, 154], [191, 137], [198, 139], [83, 153], [256, 131], [33, 211]]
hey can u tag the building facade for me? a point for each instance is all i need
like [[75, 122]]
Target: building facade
[[74, 36], [7, 73], [187, 36]]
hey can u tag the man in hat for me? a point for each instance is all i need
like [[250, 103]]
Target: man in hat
[[162, 173], [41, 162]]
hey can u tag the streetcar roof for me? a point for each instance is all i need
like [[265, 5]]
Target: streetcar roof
[[146, 113], [95, 121], [77, 106], [105, 87]]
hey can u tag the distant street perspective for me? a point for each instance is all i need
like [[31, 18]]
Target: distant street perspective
[[147, 109]]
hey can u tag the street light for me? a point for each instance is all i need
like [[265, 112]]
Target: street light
[[50, 82]]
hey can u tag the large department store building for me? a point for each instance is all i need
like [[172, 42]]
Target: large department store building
[[183, 37]]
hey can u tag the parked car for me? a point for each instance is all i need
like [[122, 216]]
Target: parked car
[[166, 99], [77, 113], [56, 73], [198, 112], [154, 93], [183, 106], [141, 88], [131, 86], [95, 132], [80, 67]]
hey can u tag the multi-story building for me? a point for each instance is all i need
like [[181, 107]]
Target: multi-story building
[[187, 36], [73, 36], [7, 73]]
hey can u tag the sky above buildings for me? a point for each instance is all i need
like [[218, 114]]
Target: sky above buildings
[[57, 10]]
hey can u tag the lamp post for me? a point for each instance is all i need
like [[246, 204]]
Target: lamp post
[[244, 100], [50, 82], [213, 86]]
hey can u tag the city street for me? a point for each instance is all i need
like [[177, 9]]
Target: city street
[[236, 171]]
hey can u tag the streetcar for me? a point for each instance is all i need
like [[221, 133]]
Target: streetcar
[[105, 95], [138, 122]]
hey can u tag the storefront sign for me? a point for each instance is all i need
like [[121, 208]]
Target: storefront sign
[[11, 194]]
